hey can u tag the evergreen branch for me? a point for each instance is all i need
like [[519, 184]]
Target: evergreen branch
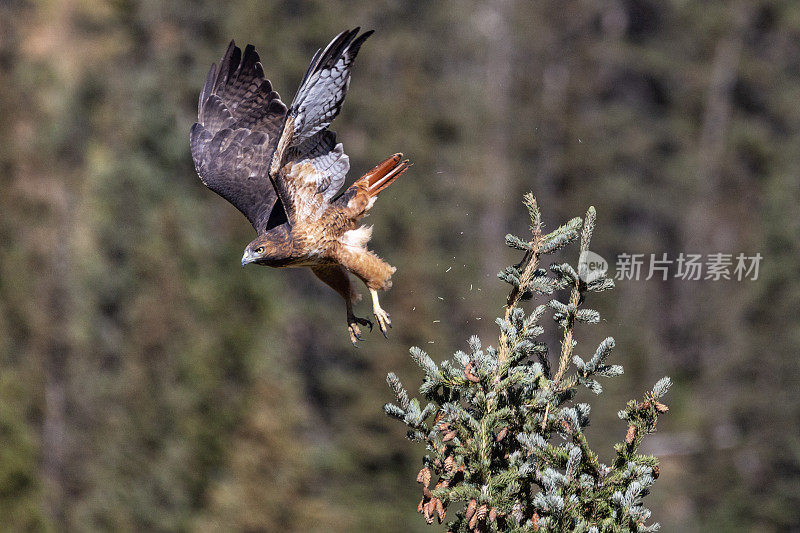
[[497, 414], [567, 342]]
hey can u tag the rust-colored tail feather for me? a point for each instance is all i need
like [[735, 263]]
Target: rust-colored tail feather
[[383, 174]]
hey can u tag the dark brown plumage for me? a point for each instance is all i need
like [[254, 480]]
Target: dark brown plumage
[[282, 167]]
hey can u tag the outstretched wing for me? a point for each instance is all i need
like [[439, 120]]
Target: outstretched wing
[[309, 167], [239, 121]]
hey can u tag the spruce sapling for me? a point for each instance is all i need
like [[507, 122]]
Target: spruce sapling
[[503, 433]]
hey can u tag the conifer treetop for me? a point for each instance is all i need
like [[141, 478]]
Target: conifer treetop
[[504, 434]]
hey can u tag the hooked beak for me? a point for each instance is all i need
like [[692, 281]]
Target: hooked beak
[[247, 258]]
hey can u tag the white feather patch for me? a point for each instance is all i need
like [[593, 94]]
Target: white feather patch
[[357, 238]]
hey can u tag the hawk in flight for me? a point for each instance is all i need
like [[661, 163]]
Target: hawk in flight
[[282, 167]]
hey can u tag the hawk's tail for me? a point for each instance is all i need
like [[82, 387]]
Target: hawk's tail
[[383, 174]]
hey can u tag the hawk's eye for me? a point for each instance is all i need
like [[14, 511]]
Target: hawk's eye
[[260, 250]]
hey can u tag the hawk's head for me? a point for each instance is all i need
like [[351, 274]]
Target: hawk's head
[[272, 248]]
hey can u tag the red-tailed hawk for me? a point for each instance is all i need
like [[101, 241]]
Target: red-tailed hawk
[[282, 167]]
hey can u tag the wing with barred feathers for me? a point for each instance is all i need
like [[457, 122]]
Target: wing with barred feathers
[[240, 119], [309, 166]]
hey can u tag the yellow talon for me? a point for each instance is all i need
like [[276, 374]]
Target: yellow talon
[[384, 322], [352, 327]]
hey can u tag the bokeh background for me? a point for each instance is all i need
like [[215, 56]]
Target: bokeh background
[[149, 383]]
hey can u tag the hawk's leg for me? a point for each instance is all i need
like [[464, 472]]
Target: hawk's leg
[[352, 325], [382, 316], [335, 276], [374, 272]]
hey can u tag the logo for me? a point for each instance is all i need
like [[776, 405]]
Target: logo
[[591, 266]]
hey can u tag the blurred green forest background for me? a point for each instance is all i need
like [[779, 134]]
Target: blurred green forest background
[[149, 383]]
